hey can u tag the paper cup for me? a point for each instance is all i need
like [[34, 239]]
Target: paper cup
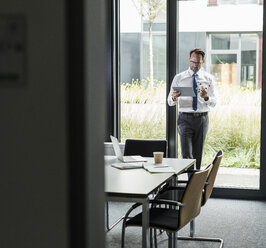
[[158, 157]]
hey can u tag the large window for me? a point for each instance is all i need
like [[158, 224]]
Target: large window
[[231, 34], [142, 69], [234, 56]]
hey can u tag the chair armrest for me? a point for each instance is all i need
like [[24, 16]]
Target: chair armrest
[[182, 181], [168, 202], [166, 189], [131, 209], [186, 181], [190, 171], [135, 206]]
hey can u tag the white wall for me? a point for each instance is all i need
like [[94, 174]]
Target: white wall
[[197, 16], [33, 141]]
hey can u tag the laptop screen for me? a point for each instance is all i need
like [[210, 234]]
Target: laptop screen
[[116, 146]]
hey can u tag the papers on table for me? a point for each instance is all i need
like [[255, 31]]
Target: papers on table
[[158, 168], [150, 167], [124, 166]]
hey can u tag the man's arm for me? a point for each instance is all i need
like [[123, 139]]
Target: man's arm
[[209, 95], [173, 95]]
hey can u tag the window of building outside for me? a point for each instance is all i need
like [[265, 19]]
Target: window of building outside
[[233, 45], [143, 69], [233, 59], [238, 1]]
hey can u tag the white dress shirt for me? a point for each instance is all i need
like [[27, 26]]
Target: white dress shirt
[[185, 79]]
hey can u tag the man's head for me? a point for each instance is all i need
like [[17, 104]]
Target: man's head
[[196, 59]]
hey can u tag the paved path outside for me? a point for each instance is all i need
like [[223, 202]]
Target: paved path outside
[[238, 177]]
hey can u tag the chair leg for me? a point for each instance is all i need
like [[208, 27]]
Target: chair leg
[[123, 234], [155, 238], [107, 216], [151, 243], [108, 227], [217, 240], [192, 228], [193, 238]]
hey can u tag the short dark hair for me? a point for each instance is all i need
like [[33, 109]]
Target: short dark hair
[[197, 51]]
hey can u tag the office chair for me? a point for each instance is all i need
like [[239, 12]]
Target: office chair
[[171, 219], [145, 147], [205, 196]]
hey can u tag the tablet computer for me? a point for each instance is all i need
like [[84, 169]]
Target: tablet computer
[[185, 91]]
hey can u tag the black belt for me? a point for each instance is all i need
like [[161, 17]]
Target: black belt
[[195, 114]]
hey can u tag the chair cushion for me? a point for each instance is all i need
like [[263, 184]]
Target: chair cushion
[[161, 218]]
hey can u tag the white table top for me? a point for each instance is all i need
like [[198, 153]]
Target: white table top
[[139, 182]]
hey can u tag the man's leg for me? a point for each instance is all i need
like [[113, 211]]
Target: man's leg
[[186, 135], [201, 127]]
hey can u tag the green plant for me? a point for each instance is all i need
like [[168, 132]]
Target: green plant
[[234, 122]]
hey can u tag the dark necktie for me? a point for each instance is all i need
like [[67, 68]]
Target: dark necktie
[[195, 88]]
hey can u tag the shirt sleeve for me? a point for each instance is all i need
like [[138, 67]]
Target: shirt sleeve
[[170, 100]]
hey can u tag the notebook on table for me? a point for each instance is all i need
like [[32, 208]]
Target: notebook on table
[[125, 159]]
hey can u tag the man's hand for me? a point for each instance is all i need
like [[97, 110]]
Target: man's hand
[[175, 95], [204, 93]]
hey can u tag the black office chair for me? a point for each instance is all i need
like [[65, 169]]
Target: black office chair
[[145, 147], [172, 219]]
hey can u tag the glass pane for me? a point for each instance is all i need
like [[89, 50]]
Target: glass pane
[[224, 68], [224, 41], [235, 60], [249, 42], [238, 1], [227, 1], [248, 60], [143, 69], [248, 1], [155, 27], [159, 56]]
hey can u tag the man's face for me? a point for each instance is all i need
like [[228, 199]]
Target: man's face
[[196, 62]]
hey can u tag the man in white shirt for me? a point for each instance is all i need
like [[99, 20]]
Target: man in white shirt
[[193, 117]]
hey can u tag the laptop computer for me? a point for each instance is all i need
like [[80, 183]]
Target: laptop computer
[[125, 159]]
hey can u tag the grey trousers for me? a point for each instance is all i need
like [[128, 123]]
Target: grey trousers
[[192, 131]]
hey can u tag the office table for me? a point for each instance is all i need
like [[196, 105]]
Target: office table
[[135, 185]]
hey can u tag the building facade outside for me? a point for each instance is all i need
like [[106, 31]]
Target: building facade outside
[[230, 31]]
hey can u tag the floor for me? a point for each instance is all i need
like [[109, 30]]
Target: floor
[[241, 223]]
